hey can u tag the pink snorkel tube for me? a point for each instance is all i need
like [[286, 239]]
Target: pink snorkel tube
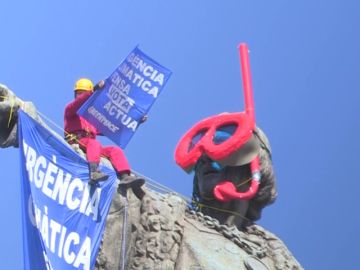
[[250, 111], [246, 78], [226, 190]]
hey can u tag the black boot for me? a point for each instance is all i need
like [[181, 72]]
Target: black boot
[[135, 183], [95, 174], [129, 180]]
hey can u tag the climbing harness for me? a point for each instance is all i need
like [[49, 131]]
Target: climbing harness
[[72, 138]]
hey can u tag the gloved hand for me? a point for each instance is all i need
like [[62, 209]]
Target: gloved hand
[[100, 85], [144, 119], [225, 191]]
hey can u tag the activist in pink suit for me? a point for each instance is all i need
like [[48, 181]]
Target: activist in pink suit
[[78, 130]]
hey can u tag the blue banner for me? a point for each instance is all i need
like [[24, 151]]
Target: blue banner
[[130, 91], [63, 216]]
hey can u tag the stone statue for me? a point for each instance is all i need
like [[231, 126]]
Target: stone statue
[[162, 232], [234, 178], [239, 213]]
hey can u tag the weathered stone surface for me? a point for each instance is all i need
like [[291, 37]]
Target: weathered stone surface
[[9, 106], [239, 213], [160, 232]]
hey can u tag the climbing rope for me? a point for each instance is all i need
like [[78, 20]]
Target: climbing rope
[[124, 240], [202, 205], [160, 188]]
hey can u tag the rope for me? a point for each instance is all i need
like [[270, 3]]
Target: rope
[[68, 135], [156, 184], [166, 189], [151, 182], [243, 183], [51, 122], [124, 240], [157, 188], [200, 205], [162, 188], [12, 103]]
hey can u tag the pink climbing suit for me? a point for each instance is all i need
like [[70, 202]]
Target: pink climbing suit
[[81, 131]]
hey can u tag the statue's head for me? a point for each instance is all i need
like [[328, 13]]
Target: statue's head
[[224, 146], [228, 141], [234, 181]]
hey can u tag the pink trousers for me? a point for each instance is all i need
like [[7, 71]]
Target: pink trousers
[[94, 150]]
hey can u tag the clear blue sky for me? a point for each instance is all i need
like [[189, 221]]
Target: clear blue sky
[[305, 60]]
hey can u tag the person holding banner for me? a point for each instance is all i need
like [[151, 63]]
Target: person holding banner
[[78, 130]]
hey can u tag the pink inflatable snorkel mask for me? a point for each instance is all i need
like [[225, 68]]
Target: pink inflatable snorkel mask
[[201, 139]]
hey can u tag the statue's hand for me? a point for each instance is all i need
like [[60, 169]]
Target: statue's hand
[[9, 106], [225, 191], [14, 110]]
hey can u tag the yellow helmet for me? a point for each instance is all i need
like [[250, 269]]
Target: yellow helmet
[[84, 84]]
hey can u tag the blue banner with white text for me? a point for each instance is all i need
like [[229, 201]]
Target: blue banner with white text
[[63, 217], [130, 91]]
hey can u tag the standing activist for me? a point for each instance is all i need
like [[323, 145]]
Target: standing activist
[[78, 130]]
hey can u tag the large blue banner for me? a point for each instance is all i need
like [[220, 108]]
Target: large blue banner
[[63, 216], [130, 91]]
